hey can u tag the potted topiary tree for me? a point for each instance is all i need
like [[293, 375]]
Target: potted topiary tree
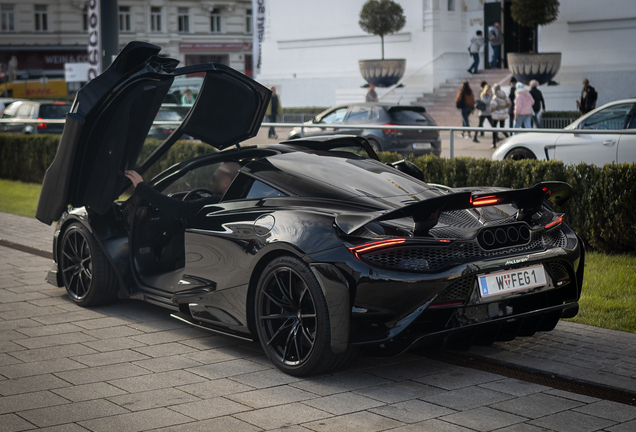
[[382, 17], [534, 65]]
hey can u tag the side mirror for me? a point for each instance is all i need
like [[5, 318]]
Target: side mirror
[[315, 120]]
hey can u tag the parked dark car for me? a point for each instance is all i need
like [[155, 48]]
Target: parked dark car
[[21, 110], [163, 131], [316, 249], [418, 141]]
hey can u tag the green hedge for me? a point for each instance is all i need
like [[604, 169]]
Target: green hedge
[[602, 210]]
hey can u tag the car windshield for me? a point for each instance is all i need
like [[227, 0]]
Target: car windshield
[[612, 117], [54, 111]]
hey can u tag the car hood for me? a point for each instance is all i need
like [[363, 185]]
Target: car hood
[[111, 116]]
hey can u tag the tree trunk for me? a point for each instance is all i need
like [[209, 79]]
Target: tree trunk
[[382, 37]]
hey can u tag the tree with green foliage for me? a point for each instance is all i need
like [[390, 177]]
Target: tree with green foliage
[[533, 13], [382, 17]]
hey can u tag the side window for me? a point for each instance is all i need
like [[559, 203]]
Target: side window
[[335, 116], [612, 117], [246, 187], [375, 114], [630, 121], [261, 190], [359, 113], [24, 111]]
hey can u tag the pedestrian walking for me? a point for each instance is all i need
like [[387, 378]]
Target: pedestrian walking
[[274, 109], [371, 95], [496, 38], [511, 96], [481, 119], [499, 109], [538, 107], [483, 107], [523, 107], [465, 102], [475, 45], [588, 98]]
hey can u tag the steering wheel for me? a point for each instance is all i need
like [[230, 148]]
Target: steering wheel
[[196, 192]]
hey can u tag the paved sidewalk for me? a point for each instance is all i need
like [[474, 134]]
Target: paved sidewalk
[[129, 367]]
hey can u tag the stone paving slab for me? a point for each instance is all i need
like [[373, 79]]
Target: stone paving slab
[[128, 367]]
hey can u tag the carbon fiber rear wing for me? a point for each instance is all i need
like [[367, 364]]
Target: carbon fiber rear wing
[[425, 214]]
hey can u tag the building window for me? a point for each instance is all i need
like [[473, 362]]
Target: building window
[[8, 18], [215, 21], [184, 20], [124, 19], [41, 18], [155, 19], [249, 23], [451, 5]]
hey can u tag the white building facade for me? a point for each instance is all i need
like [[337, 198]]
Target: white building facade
[[311, 49]]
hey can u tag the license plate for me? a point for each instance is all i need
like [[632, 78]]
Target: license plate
[[513, 280], [422, 146]]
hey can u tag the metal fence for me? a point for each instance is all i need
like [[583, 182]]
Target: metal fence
[[451, 129], [555, 123]]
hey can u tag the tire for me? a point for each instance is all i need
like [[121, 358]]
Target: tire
[[86, 273], [292, 319], [519, 154]]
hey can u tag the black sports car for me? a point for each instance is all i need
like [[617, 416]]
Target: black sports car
[[316, 249]]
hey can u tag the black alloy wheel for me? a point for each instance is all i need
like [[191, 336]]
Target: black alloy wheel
[[86, 273], [519, 154], [293, 320]]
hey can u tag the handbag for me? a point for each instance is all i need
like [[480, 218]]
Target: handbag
[[480, 105]]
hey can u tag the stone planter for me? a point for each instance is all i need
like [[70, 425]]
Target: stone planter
[[540, 66], [382, 73]]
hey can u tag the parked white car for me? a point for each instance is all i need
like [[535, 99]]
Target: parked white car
[[596, 149]]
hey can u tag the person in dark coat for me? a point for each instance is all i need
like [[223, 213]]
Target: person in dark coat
[[539, 103], [588, 98], [511, 96]]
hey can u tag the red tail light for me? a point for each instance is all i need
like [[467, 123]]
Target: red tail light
[[389, 131], [41, 125], [554, 223], [375, 245], [59, 103], [485, 200]]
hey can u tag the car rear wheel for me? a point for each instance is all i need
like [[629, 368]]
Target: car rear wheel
[[293, 320], [86, 273], [520, 153]]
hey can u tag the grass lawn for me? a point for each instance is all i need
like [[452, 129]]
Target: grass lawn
[[609, 292], [609, 284], [19, 198]]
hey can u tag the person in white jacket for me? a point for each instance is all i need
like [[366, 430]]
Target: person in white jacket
[[499, 107], [475, 45]]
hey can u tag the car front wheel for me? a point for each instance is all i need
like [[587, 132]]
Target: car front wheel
[[520, 153], [293, 320], [86, 273]]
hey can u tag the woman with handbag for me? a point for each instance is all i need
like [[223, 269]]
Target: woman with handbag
[[499, 108], [465, 102], [483, 106]]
